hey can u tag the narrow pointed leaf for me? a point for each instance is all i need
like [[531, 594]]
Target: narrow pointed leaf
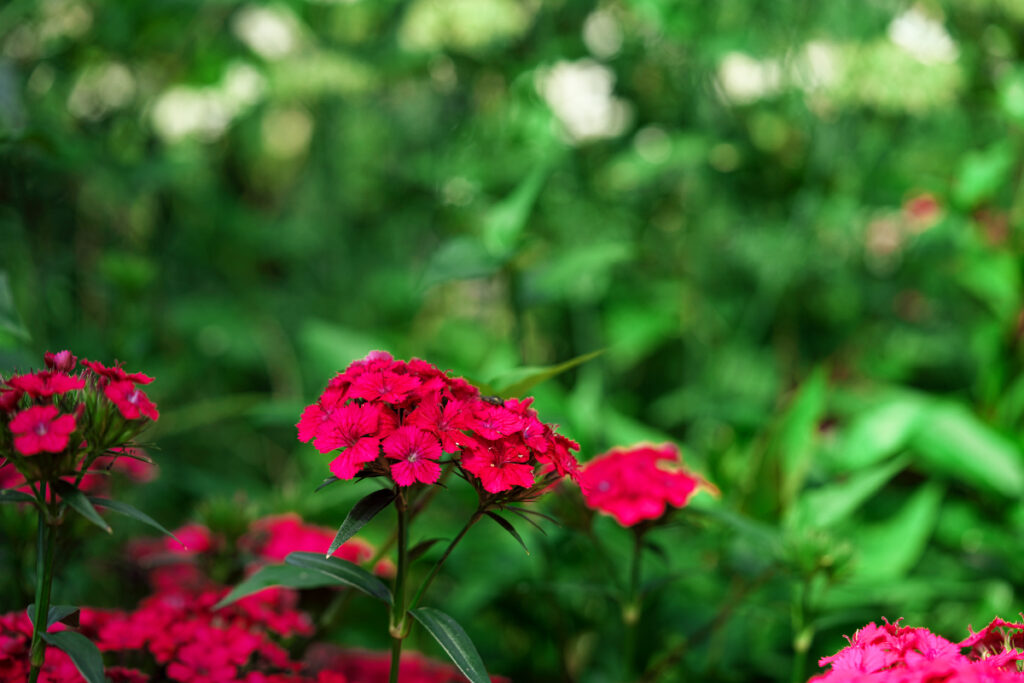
[[447, 632], [289, 576], [343, 572], [535, 525], [326, 482], [507, 526], [531, 511], [363, 511], [57, 613], [85, 655], [78, 501], [13, 496], [527, 378], [418, 550], [133, 512]]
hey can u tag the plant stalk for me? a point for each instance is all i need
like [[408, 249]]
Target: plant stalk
[[447, 551], [397, 627], [631, 608], [46, 550]]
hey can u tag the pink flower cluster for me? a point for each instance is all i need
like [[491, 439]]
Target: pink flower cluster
[[637, 483], [891, 653], [394, 418], [58, 411], [175, 635]]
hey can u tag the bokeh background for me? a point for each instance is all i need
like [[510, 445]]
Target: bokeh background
[[794, 228]]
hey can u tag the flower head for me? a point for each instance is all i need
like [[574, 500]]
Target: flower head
[[41, 428], [130, 401], [638, 483]]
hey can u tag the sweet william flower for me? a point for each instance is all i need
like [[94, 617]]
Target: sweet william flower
[[417, 452], [116, 373], [44, 384], [500, 467], [62, 361], [41, 428], [130, 401]]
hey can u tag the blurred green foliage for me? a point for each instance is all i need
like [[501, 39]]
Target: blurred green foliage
[[795, 227]]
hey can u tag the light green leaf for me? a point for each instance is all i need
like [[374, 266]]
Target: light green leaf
[[889, 550], [83, 652], [827, 505], [447, 632], [343, 572], [286, 575], [520, 381], [878, 432], [798, 433], [362, 512], [10, 321], [953, 441], [505, 222]]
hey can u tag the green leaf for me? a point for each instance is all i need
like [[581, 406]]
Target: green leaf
[[10, 321], [889, 550], [983, 173], [507, 526], [798, 433], [527, 378], [504, 223], [343, 572], [832, 503], [56, 613], [878, 432], [461, 258], [78, 501], [420, 549], [13, 496], [325, 483], [85, 655], [287, 575], [447, 632], [361, 513], [133, 512], [954, 441]]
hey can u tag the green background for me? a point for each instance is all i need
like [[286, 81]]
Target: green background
[[794, 227]]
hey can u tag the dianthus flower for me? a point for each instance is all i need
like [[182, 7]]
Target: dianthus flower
[[41, 428], [131, 401], [273, 538], [397, 419], [636, 484], [891, 653], [44, 384]]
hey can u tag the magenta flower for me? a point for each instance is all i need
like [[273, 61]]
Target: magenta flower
[[62, 361], [132, 402], [500, 466], [417, 452], [44, 384], [351, 428], [116, 373], [41, 428], [384, 385]]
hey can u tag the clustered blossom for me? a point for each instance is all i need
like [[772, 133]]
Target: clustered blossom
[[52, 420], [176, 635], [386, 417], [891, 653], [636, 484]]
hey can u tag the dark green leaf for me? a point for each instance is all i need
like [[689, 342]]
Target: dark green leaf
[[656, 549], [535, 525], [10, 320], [343, 572], [527, 378], [418, 550], [13, 496], [56, 613], [363, 511], [507, 526], [78, 501], [832, 503], [287, 575], [889, 550], [447, 632], [85, 655], [325, 483], [531, 511], [133, 512]]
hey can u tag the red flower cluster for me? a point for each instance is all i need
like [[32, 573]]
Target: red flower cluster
[[54, 411], [394, 418], [891, 653], [176, 635], [634, 484]]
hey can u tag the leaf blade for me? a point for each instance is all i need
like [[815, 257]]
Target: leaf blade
[[343, 572], [534, 376], [83, 652], [133, 512], [15, 496], [289, 576], [454, 641], [80, 503], [361, 513], [507, 526]]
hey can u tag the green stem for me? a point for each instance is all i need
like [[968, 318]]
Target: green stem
[[396, 626], [632, 606], [447, 551], [46, 549]]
